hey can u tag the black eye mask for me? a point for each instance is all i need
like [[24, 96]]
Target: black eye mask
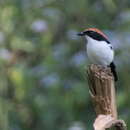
[[96, 36]]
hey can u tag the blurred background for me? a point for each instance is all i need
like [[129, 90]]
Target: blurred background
[[43, 84]]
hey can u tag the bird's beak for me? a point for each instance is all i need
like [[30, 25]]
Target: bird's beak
[[81, 34]]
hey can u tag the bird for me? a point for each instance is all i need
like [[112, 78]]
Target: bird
[[99, 49]]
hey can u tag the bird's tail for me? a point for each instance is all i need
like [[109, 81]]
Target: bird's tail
[[113, 70]]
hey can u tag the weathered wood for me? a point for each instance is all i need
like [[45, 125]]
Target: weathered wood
[[102, 91], [107, 122]]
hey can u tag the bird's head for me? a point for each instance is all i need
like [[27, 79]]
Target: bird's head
[[94, 33]]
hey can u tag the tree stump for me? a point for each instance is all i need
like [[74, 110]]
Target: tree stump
[[102, 91]]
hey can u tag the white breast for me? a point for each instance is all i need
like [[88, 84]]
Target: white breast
[[99, 52]]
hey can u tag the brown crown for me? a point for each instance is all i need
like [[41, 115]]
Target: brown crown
[[96, 30]]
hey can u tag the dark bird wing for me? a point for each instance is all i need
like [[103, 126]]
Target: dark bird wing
[[113, 70]]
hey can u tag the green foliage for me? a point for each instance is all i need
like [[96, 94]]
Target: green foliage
[[42, 60]]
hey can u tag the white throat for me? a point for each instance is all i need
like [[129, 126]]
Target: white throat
[[91, 40], [99, 52]]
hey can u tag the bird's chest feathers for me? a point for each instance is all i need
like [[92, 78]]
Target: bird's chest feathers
[[96, 48], [99, 52]]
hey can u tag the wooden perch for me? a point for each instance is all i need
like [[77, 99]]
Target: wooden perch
[[108, 122], [102, 91]]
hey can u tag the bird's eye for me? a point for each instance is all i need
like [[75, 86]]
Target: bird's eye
[[91, 32]]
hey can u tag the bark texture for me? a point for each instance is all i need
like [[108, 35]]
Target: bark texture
[[102, 91]]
